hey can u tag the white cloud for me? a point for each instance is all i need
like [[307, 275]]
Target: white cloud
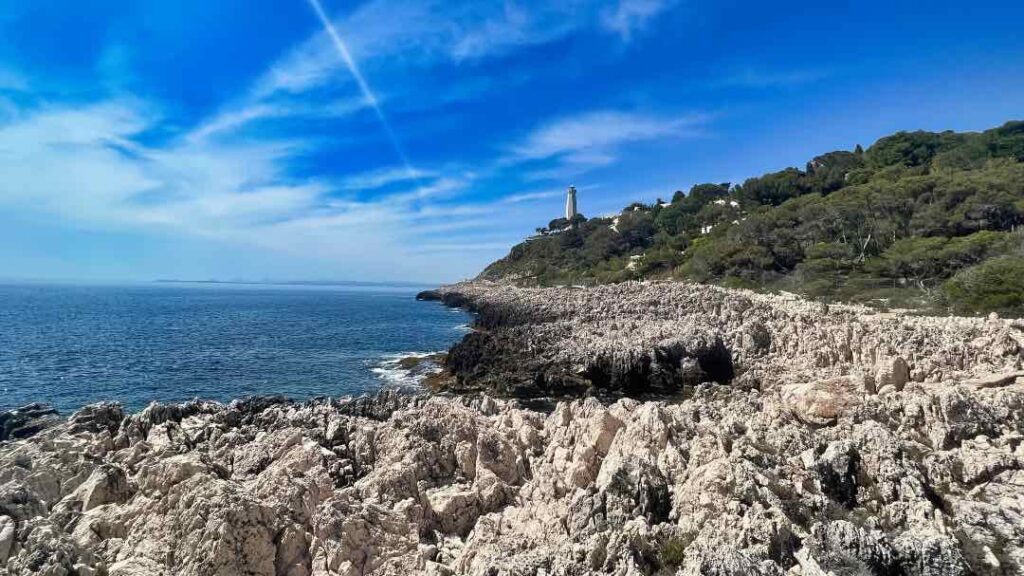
[[403, 35], [586, 141], [385, 177], [232, 178], [515, 26], [422, 33], [439, 188], [239, 116], [588, 135], [234, 119], [531, 196], [628, 16], [85, 166]]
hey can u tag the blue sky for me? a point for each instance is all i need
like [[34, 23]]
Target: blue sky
[[418, 140]]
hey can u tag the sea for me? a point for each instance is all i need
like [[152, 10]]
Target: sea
[[72, 345]]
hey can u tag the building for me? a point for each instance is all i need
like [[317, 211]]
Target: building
[[570, 203]]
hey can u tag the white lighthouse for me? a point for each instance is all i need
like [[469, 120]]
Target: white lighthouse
[[570, 203]]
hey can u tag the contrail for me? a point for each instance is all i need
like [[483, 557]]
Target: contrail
[[353, 68]]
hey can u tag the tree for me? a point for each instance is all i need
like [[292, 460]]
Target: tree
[[918, 259], [775, 188], [828, 172], [558, 224], [701, 194], [914, 212], [910, 148], [636, 228]]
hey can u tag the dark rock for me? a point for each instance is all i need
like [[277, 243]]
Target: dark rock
[[455, 300], [429, 296], [380, 406], [97, 418], [845, 548], [27, 421], [837, 468]]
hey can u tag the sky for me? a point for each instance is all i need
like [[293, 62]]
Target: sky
[[419, 140]]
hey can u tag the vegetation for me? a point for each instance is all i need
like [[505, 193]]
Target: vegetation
[[673, 553], [919, 218]]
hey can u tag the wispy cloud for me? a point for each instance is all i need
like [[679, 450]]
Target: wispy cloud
[[515, 26], [384, 177], [629, 16], [86, 166], [586, 141], [364, 86], [270, 166], [236, 118], [598, 131], [326, 69], [423, 33], [531, 196]]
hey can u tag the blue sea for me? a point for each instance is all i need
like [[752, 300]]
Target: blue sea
[[73, 345]]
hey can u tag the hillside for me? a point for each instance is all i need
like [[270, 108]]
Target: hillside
[[931, 220]]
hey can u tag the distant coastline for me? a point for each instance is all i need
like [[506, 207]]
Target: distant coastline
[[296, 282]]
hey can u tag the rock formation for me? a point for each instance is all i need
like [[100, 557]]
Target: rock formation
[[638, 338], [842, 443]]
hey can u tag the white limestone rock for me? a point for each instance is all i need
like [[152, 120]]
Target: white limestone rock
[[848, 442]]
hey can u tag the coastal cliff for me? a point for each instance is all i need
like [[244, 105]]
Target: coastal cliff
[[625, 429]]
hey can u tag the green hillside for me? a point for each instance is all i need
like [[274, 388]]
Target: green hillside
[[918, 219]]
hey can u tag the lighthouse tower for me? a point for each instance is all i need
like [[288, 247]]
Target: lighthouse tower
[[570, 203]]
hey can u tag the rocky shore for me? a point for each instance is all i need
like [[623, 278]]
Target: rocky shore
[[628, 429], [658, 338]]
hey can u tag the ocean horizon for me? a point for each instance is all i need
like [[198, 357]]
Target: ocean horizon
[[74, 343]]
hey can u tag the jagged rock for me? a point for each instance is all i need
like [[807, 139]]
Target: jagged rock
[[429, 295], [7, 528], [821, 402], [998, 379], [657, 338], [892, 375], [104, 416], [796, 465], [27, 421], [107, 484], [724, 482]]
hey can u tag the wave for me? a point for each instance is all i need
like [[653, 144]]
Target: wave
[[397, 369]]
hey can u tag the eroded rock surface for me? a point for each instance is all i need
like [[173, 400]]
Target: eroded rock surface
[[928, 480], [638, 338], [816, 442]]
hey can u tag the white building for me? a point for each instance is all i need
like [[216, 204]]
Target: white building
[[570, 203]]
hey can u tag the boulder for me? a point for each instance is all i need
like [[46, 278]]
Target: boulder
[[821, 403], [108, 484], [7, 528], [892, 375]]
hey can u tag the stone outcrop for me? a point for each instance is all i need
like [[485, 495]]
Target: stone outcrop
[[655, 338], [809, 442], [927, 480], [26, 421]]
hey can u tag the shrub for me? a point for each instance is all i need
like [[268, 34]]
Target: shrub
[[673, 552], [996, 284]]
